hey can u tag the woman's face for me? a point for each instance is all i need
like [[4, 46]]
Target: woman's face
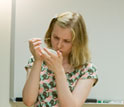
[[61, 39]]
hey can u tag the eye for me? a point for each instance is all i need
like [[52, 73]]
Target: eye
[[55, 37], [67, 41]]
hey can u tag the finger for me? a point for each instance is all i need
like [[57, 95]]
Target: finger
[[34, 40], [47, 61], [46, 58], [44, 54], [37, 43], [49, 52], [37, 47], [59, 54]]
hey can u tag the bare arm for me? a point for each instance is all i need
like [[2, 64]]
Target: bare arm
[[30, 90], [79, 95], [66, 97]]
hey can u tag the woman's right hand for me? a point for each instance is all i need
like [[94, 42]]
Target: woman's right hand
[[35, 49]]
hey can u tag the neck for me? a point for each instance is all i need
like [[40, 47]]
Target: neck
[[65, 61], [67, 66]]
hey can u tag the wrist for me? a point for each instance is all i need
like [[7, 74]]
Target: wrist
[[59, 71], [38, 62]]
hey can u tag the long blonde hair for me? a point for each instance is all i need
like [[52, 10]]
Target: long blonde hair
[[80, 52]]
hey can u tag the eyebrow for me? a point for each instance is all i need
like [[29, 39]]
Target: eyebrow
[[58, 37]]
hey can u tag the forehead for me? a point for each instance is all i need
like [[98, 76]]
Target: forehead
[[59, 31]]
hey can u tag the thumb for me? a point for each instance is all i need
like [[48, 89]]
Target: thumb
[[59, 55]]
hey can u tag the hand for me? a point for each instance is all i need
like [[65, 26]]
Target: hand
[[53, 61], [34, 46]]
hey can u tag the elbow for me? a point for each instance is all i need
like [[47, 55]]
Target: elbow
[[70, 104], [28, 102], [78, 104]]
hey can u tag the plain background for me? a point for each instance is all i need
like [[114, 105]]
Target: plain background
[[105, 23], [5, 36]]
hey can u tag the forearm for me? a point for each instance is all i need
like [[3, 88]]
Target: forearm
[[30, 91], [66, 98]]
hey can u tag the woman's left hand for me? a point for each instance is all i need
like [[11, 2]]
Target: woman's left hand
[[53, 61]]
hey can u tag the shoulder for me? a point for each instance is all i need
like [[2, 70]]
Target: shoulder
[[91, 66], [30, 62], [88, 67], [89, 71]]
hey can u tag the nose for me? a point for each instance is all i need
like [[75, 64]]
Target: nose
[[59, 45]]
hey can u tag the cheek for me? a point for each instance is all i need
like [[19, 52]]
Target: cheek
[[53, 43], [68, 48]]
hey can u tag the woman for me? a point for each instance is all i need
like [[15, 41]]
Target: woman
[[66, 78]]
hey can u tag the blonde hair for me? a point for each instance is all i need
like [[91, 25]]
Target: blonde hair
[[80, 52]]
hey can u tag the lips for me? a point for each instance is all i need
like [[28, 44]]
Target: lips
[[60, 51]]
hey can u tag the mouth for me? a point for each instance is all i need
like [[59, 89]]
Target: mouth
[[60, 51]]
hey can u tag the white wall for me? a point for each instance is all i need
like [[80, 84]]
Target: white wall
[[105, 23], [5, 35], [5, 25]]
